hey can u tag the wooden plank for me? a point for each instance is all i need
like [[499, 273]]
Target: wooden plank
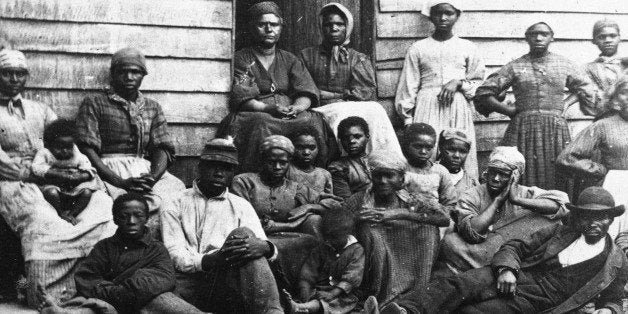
[[185, 168], [499, 52], [27, 35], [196, 13], [595, 6], [92, 72], [178, 107], [493, 24], [189, 139]]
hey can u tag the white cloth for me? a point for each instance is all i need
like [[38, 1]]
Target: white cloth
[[580, 251], [456, 177], [616, 183], [193, 225]]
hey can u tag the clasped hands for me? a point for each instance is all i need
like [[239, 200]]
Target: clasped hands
[[239, 249], [141, 184]]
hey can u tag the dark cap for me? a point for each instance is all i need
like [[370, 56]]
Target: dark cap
[[595, 200], [220, 149]]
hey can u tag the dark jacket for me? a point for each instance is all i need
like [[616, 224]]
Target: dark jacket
[[541, 246]]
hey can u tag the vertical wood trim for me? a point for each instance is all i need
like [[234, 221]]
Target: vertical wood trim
[[368, 15]]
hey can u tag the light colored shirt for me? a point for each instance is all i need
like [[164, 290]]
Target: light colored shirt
[[194, 225], [580, 251], [44, 160]]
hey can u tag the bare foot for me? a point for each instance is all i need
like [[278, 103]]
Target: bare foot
[[292, 306]]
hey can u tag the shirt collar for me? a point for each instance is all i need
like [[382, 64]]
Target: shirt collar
[[220, 197], [145, 240], [350, 240], [117, 98], [611, 60]]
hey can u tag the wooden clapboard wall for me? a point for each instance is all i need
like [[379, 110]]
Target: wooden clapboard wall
[[188, 45], [497, 27]]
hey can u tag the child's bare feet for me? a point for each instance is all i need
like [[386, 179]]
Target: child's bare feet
[[292, 307]]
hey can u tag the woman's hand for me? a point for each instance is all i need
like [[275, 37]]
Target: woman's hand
[[137, 184], [378, 215], [506, 282], [513, 186], [446, 95], [300, 211]]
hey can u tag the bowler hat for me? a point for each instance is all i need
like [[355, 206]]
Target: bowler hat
[[594, 200]]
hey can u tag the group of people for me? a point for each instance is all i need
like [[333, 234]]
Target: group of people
[[308, 201]]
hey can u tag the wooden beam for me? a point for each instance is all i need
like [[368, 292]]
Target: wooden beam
[[189, 139], [185, 13], [67, 71], [159, 41], [596, 6]]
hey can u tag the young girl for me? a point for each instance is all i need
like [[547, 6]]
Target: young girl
[[333, 269], [350, 173], [453, 149], [67, 176], [303, 167]]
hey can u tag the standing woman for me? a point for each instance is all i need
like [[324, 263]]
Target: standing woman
[[537, 126], [272, 93], [439, 77]]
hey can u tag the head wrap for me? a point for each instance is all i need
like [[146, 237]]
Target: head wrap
[[453, 134], [129, 56], [338, 52], [427, 6], [599, 25], [507, 157], [386, 160], [266, 7], [12, 59], [220, 149], [277, 141]]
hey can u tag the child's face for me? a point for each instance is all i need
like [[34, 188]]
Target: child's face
[[62, 147], [354, 141], [454, 155], [622, 99], [131, 219], [607, 41], [419, 148], [338, 243], [305, 149]]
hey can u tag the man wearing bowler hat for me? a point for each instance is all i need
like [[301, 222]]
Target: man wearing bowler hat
[[555, 270], [217, 243]]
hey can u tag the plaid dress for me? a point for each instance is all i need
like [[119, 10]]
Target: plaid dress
[[539, 129]]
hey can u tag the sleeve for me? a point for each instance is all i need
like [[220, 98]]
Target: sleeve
[[598, 106], [474, 75], [468, 207], [353, 273], [87, 120], [41, 165], [302, 83], [362, 86], [447, 195], [560, 197], [160, 138], [10, 170], [578, 155], [186, 259], [329, 184], [496, 82], [244, 87], [611, 297], [90, 281], [239, 188], [408, 86], [514, 251], [580, 84], [84, 163], [340, 181], [250, 220]]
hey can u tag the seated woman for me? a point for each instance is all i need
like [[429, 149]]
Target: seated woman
[[51, 246], [272, 93], [490, 214], [453, 149], [399, 231], [350, 173], [346, 78], [125, 136]]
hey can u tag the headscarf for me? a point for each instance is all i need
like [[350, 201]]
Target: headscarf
[[453, 134], [277, 141], [339, 52], [427, 5], [220, 149], [507, 157], [385, 160], [601, 24], [266, 7], [129, 56], [12, 59]]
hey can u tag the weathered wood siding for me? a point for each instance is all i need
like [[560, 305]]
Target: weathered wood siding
[[188, 45], [497, 27]]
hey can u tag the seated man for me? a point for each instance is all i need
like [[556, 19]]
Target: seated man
[[217, 242], [558, 269], [490, 214]]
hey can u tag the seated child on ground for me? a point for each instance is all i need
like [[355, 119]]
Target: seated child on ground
[[67, 177], [303, 169], [453, 149], [333, 269]]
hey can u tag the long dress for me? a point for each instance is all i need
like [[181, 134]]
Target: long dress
[[353, 76], [286, 79], [51, 246], [429, 65], [539, 129]]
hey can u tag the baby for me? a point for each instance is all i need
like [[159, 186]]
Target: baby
[[67, 178], [303, 169], [333, 270]]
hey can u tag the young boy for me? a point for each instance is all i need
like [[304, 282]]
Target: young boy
[[453, 149], [350, 173], [303, 169], [67, 175], [333, 269]]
